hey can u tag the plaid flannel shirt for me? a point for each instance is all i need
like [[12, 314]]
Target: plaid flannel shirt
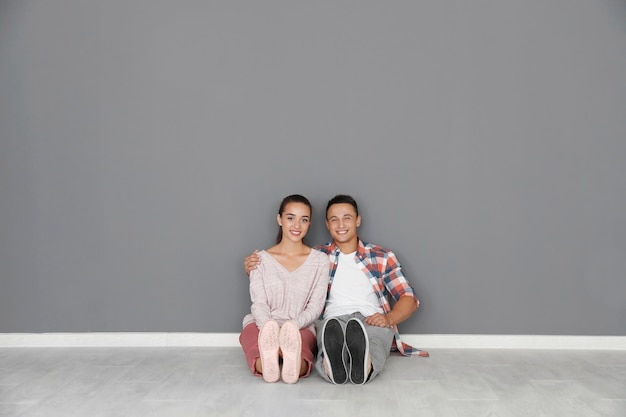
[[385, 273]]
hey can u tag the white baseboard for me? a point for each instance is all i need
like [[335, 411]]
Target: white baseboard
[[118, 339], [425, 341], [471, 341]]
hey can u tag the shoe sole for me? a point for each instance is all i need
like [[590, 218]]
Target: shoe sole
[[291, 348], [332, 348], [358, 349], [268, 350]]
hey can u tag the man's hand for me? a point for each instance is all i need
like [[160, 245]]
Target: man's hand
[[401, 311], [251, 261], [378, 320]]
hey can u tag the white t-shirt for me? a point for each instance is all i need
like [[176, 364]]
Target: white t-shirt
[[351, 290]]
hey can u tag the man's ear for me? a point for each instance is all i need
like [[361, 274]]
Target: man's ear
[[358, 220]]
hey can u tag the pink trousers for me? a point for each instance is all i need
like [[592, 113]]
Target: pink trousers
[[249, 342]]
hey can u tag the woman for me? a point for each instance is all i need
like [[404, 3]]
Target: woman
[[288, 291]]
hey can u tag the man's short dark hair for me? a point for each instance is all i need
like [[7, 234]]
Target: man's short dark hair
[[341, 199]]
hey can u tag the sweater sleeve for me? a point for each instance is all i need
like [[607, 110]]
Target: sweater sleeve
[[317, 294], [260, 308]]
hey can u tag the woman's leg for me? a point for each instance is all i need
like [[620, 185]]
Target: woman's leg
[[249, 340], [309, 350]]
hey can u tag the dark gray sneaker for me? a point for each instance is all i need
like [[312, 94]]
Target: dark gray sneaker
[[359, 351], [333, 342]]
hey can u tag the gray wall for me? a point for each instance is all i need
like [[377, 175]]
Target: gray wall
[[145, 146]]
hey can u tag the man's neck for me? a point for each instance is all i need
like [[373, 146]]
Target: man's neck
[[348, 247]]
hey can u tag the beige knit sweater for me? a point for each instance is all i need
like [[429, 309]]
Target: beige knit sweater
[[281, 295]]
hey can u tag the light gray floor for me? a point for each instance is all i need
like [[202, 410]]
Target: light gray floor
[[188, 382]]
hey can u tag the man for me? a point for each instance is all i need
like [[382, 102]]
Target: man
[[358, 328]]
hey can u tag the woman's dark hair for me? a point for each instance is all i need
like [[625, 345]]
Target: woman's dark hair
[[340, 199], [294, 198]]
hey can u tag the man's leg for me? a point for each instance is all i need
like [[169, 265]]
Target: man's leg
[[357, 344], [331, 361], [379, 341]]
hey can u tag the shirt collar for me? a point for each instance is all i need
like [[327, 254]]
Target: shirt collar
[[360, 250]]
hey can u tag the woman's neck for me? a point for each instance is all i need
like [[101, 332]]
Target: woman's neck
[[291, 248]]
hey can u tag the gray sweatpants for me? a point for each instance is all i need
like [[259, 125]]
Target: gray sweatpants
[[380, 340]]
